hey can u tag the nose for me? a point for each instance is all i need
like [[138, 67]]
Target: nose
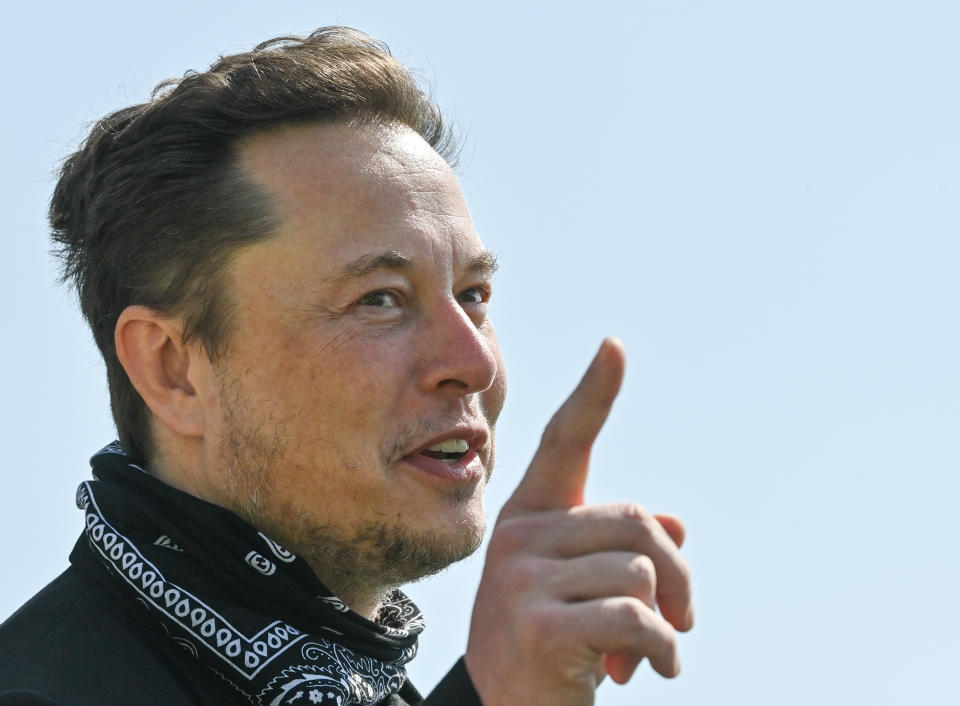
[[458, 355]]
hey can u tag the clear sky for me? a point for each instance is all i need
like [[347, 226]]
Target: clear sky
[[760, 198]]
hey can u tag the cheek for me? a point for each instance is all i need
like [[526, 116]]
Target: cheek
[[493, 398], [362, 369], [322, 380], [346, 384]]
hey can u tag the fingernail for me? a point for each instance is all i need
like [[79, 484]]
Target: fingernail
[[688, 618]]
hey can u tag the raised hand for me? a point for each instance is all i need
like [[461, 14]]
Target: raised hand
[[570, 592]]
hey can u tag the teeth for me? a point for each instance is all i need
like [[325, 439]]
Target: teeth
[[451, 446]]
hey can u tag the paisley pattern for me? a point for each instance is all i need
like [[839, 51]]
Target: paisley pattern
[[317, 651]]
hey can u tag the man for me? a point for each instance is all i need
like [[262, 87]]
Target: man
[[281, 272]]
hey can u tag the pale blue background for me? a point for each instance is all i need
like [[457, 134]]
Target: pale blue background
[[759, 198]]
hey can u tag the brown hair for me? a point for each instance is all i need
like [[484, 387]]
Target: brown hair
[[151, 207]]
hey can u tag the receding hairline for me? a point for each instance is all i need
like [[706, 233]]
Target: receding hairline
[[256, 154], [287, 163]]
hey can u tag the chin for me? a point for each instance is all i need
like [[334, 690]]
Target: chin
[[374, 552], [415, 549], [409, 557]]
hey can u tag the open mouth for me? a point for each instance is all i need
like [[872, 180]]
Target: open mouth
[[448, 450]]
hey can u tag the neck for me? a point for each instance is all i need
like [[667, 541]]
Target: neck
[[362, 600], [352, 568], [347, 569]]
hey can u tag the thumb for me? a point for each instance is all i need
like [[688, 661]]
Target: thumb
[[557, 475]]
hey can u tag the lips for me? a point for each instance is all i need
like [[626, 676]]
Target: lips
[[457, 441], [452, 454]]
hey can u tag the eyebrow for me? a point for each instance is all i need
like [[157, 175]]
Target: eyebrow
[[484, 264], [364, 265]]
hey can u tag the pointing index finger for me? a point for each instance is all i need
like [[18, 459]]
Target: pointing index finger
[[557, 475]]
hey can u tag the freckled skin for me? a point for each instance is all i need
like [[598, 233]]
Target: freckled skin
[[329, 381]]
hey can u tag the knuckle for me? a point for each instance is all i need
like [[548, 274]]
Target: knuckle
[[642, 523], [631, 613], [643, 570], [510, 536], [656, 640], [563, 432], [553, 433], [636, 513]]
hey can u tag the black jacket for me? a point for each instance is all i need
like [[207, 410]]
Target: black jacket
[[72, 644]]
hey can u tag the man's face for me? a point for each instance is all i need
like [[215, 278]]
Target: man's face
[[362, 379]]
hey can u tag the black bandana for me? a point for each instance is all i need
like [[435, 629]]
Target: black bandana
[[236, 600]]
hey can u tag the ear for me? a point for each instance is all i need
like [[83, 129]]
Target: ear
[[169, 374]]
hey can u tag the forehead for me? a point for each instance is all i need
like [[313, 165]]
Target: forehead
[[342, 194], [371, 171]]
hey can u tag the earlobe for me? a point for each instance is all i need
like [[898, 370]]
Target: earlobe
[[162, 368]]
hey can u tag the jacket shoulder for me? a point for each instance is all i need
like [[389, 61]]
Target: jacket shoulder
[[74, 644]]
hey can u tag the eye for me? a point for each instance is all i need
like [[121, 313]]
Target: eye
[[380, 298], [475, 295]]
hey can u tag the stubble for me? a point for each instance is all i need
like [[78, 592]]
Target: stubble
[[364, 557]]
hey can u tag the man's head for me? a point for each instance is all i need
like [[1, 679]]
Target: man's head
[[309, 334], [153, 205]]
